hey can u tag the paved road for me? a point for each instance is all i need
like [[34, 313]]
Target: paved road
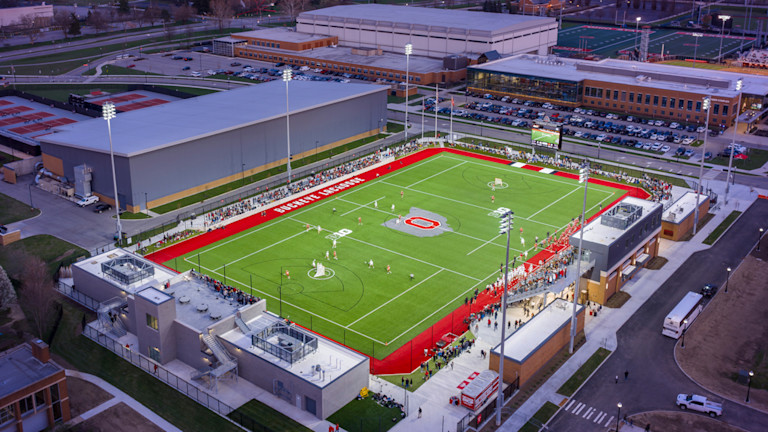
[[654, 377]]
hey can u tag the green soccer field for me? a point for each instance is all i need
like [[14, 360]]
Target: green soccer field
[[368, 308]]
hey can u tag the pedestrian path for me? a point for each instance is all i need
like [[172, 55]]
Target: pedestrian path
[[588, 413]]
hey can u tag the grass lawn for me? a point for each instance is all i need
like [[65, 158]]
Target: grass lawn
[[449, 257], [713, 66], [13, 210], [581, 375], [50, 249], [199, 197], [394, 127], [129, 215], [395, 99], [87, 356], [5, 158], [118, 70], [365, 415], [757, 158], [720, 229], [254, 415], [542, 416]]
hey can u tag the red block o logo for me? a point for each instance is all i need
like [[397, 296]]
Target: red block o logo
[[422, 222]]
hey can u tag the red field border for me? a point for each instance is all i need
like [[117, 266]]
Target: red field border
[[409, 356]]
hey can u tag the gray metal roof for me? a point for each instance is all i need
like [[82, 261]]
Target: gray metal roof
[[279, 34], [153, 128], [19, 369], [417, 18], [653, 75]]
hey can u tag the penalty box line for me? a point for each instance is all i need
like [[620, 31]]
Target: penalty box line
[[301, 309]]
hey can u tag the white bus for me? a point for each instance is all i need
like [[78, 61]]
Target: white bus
[[682, 315]]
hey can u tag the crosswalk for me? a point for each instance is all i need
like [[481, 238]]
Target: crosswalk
[[588, 413]]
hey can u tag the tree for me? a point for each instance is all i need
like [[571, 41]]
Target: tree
[[36, 292], [202, 6], [29, 25], [165, 16], [151, 14], [223, 11], [96, 20], [74, 25], [183, 13], [61, 20], [123, 8], [293, 8], [7, 293]]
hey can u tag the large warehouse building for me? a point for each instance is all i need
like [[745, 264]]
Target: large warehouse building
[[171, 151], [646, 89]]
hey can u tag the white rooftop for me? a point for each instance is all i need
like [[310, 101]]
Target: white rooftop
[[279, 34], [533, 334], [198, 305], [683, 207], [333, 359], [92, 265], [652, 75], [596, 232], [432, 19], [170, 124], [154, 295]]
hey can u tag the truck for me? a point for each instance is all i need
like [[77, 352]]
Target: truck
[[699, 403], [682, 315], [86, 201]]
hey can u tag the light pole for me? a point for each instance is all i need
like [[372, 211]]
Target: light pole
[[722, 18], [583, 178], [408, 51], [108, 112], [685, 327], [759, 237], [727, 278], [707, 102], [749, 383], [696, 46], [637, 31], [287, 76], [618, 416], [739, 85], [505, 227]]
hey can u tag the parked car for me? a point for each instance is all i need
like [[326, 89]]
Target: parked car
[[86, 201], [235, 64], [708, 290], [665, 148], [101, 208], [699, 403]]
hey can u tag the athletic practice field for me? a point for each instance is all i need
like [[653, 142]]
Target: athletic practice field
[[435, 219]]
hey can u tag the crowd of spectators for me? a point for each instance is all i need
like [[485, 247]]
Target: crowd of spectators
[[226, 291]]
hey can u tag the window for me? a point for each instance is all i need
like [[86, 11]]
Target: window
[[647, 99], [26, 405], [55, 393], [671, 102], [716, 109], [40, 399], [7, 414], [607, 93], [639, 98], [680, 103], [725, 110], [655, 101], [698, 106], [152, 322], [623, 96], [632, 98], [664, 102], [690, 105]]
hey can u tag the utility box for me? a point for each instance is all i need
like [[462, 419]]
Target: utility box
[[83, 179]]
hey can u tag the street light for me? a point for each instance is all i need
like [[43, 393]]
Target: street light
[[505, 227], [749, 383], [108, 112], [759, 237], [287, 76], [739, 85], [637, 30], [618, 416], [583, 178], [408, 51], [685, 327], [722, 18], [727, 278], [707, 102]]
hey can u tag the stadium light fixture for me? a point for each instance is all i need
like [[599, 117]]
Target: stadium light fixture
[[505, 227], [287, 77], [408, 52], [637, 30], [705, 106], [749, 383], [108, 113], [583, 178], [723, 19], [739, 86]]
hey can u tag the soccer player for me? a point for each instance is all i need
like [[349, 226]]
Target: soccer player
[[411, 276], [319, 230], [370, 264], [334, 243], [360, 220], [327, 255], [287, 274], [393, 208], [401, 194], [493, 198], [389, 270], [334, 255], [307, 227], [334, 210], [314, 264], [376, 204]]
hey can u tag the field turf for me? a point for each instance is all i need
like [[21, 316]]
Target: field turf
[[370, 309]]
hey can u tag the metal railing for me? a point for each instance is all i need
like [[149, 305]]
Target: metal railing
[[74, 294]]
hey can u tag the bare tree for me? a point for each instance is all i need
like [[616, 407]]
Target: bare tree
[[36, 292], [183, 13], [151, 14], [7, 294], [30, 26], [293, 8], [223, 11], [97, 20], [61, 19]]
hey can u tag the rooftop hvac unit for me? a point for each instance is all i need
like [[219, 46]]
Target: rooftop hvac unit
[[83, 177]]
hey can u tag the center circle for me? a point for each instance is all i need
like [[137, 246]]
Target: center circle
[[493, 185]]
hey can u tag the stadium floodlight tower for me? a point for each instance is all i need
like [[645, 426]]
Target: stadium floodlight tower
[[722, 18], [505, 227], [637, 31], [287, 77], [408, 52], [739, 85], [108, 112], [583, 178], [699, 189]]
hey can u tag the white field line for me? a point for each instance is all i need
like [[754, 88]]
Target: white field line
[[589, 210], [467, 204], [264, 248], [554, 202], [479, 247], [438, 228], [437, 174], [299, 308], [463, 293], [402, 255], [521, 171], [359, 205], [394, 298]]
